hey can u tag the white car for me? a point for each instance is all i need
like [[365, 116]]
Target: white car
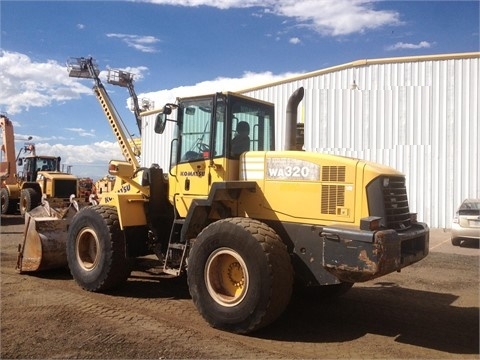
[[466, 223]]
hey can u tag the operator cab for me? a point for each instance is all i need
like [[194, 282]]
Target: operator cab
[[220, 126], [33, 164], [211, 133]]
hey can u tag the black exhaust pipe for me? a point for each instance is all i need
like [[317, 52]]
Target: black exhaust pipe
[[291, 119]]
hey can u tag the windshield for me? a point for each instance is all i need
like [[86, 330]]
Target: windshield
[[223, 125], [46, 164], [195, 128], [470, 207]]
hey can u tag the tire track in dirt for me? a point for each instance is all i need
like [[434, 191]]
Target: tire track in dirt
[[172, 325], [430, 310]]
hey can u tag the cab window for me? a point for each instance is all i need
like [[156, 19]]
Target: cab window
[[251, 127], [195, 122]]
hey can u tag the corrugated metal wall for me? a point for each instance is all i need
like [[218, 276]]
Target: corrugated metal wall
[[418, 115], [155, 147]]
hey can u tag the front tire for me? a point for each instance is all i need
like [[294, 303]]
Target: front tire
[[239, 275], [8, 206], [96, 249], [29, 199]]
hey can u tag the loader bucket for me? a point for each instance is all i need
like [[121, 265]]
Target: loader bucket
[[45, 239]]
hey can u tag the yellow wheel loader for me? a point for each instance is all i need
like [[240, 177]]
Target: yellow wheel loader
[[244, 227], [39, 177], [27, 191]]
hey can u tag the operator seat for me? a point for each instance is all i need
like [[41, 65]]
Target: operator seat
[[241, 141]]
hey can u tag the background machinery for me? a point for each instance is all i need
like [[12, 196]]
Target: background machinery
[[125, 79], [39, 176], [104, 185], [243, 227], [86, 188]]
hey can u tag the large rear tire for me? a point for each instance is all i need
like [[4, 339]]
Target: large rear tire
[[96, 249], [239, 275], [29, 199]]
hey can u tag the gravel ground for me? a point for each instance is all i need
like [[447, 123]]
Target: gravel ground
[[428, 311]]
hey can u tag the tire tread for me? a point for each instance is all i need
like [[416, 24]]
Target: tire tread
[[116, 268], [280, 272]]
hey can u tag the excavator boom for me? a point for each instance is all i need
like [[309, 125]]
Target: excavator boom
[[8, 168]]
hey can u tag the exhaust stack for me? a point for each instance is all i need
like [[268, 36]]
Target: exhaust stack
[[291, 119]]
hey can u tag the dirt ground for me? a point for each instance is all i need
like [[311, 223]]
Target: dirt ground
[[428, 311]]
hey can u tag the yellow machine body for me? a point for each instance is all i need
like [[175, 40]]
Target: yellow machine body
[[293, 186]]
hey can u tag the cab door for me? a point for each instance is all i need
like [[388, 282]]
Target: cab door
[[199, 147]]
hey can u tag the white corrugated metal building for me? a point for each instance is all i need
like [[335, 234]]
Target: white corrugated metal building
[[419, 115]]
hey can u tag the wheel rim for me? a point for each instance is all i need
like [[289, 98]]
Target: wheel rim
[[226, 277], [23, 206], [87, 249]]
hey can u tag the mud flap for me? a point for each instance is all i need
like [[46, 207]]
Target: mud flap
[[45, 239]]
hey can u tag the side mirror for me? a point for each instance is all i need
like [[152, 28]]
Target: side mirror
[[161, 119], [160, 123], [20, 162]]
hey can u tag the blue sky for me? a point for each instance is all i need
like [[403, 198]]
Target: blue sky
[[176, 47]]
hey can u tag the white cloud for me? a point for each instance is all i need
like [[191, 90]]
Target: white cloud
[[80, 26], [248, 80], [25, 83], [327, 17], [15, 124], [82, 132], [295, 41], [402, 45], [220, 4], [138, 42], [44, 83], [86, 160], [37, 138]]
